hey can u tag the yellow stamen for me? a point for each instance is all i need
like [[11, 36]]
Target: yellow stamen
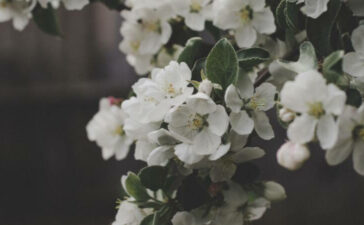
[[316, 109], [361, 133], [135, 45], [197, 122], [170, 89], [245, 14], [195, 7], [120, 131]]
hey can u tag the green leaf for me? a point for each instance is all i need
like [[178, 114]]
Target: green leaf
[[294, 17], [153, 177], [331, 67], [332, 60], [135, 188], [195, 49], [319, 31], [280, 16], [149, 220], [307, 60], [222, 64], [249, 58], [354, 97], [46, 20]]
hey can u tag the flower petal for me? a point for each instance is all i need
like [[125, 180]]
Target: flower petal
[[241, 123], [218, 121], [232, 99], [245, 36], [262, 125], [247, 154], [327, 131], [353, 64], [302, 129], [206, 143], [185, 154], [263, 21]]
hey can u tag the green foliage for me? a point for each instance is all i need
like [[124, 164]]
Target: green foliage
[[46, 20], [195, 49], [135, 188], [251, 57], [332, 66], [222, 64], [289, 16], [153, 177], [320, 31]]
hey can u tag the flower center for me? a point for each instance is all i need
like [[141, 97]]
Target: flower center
[[359, 132], [152, 26], [135, 45], [255, 104], [119, 131], [195, 7], [316, 109], [170, 89], [197, 122], [246, 14], [3, 4]]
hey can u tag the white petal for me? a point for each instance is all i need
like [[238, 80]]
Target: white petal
[[143, 149], [314, 8], [237, 141], [241, 123], [358, 157], [245, 86], [339, 152], [75, 4], [195, 21], [206, 143], [353, 64], [247, 154], [122, 147], [357, 39], [161, 137], [262, 125], [186, 155], [302, 129], [264, 95], [327, 131], [218, 121], [263, 21], [221, 151], [201, 103], [160, 156], [5, 14], [257, 5], [184, 218], [245, 36], [336, 100], [232, 99]]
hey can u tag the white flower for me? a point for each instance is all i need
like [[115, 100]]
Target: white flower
[[238, 208], [353, 62], [195, 12], [152, 29], [317, 103], [107, 129], [17, 10], [292, 156], [245, 17], [69, 4], [223, 169], [165, 147], [314, 8], [274, 191], [351, 139], [166, 55], [154, 97], [184, 218], [129, 214], [248, 107], [199, 125]]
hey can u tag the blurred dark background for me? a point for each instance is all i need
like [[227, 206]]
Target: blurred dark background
[[50, 174]]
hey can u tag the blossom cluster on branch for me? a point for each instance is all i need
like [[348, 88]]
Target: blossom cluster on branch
[[214, 68]]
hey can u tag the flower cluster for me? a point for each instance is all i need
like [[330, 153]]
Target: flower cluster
[[21, 11], [149, 26]]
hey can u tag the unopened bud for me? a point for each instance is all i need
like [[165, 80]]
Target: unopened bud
[[206, 87], [286, 115], [274, 192], [292, 156]]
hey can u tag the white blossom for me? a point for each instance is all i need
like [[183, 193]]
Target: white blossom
[[248, 107], [154, 97], [286, 115], [353, 62], [129, 214], [194, 12], [184, 218], [351, 139], [19, 11], [199, 125], [314, 8], [245, 17], [318, 103], [274, 191], [107, 129], [292, 156]]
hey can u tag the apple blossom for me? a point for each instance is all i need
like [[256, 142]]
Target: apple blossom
[[292, 156]]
